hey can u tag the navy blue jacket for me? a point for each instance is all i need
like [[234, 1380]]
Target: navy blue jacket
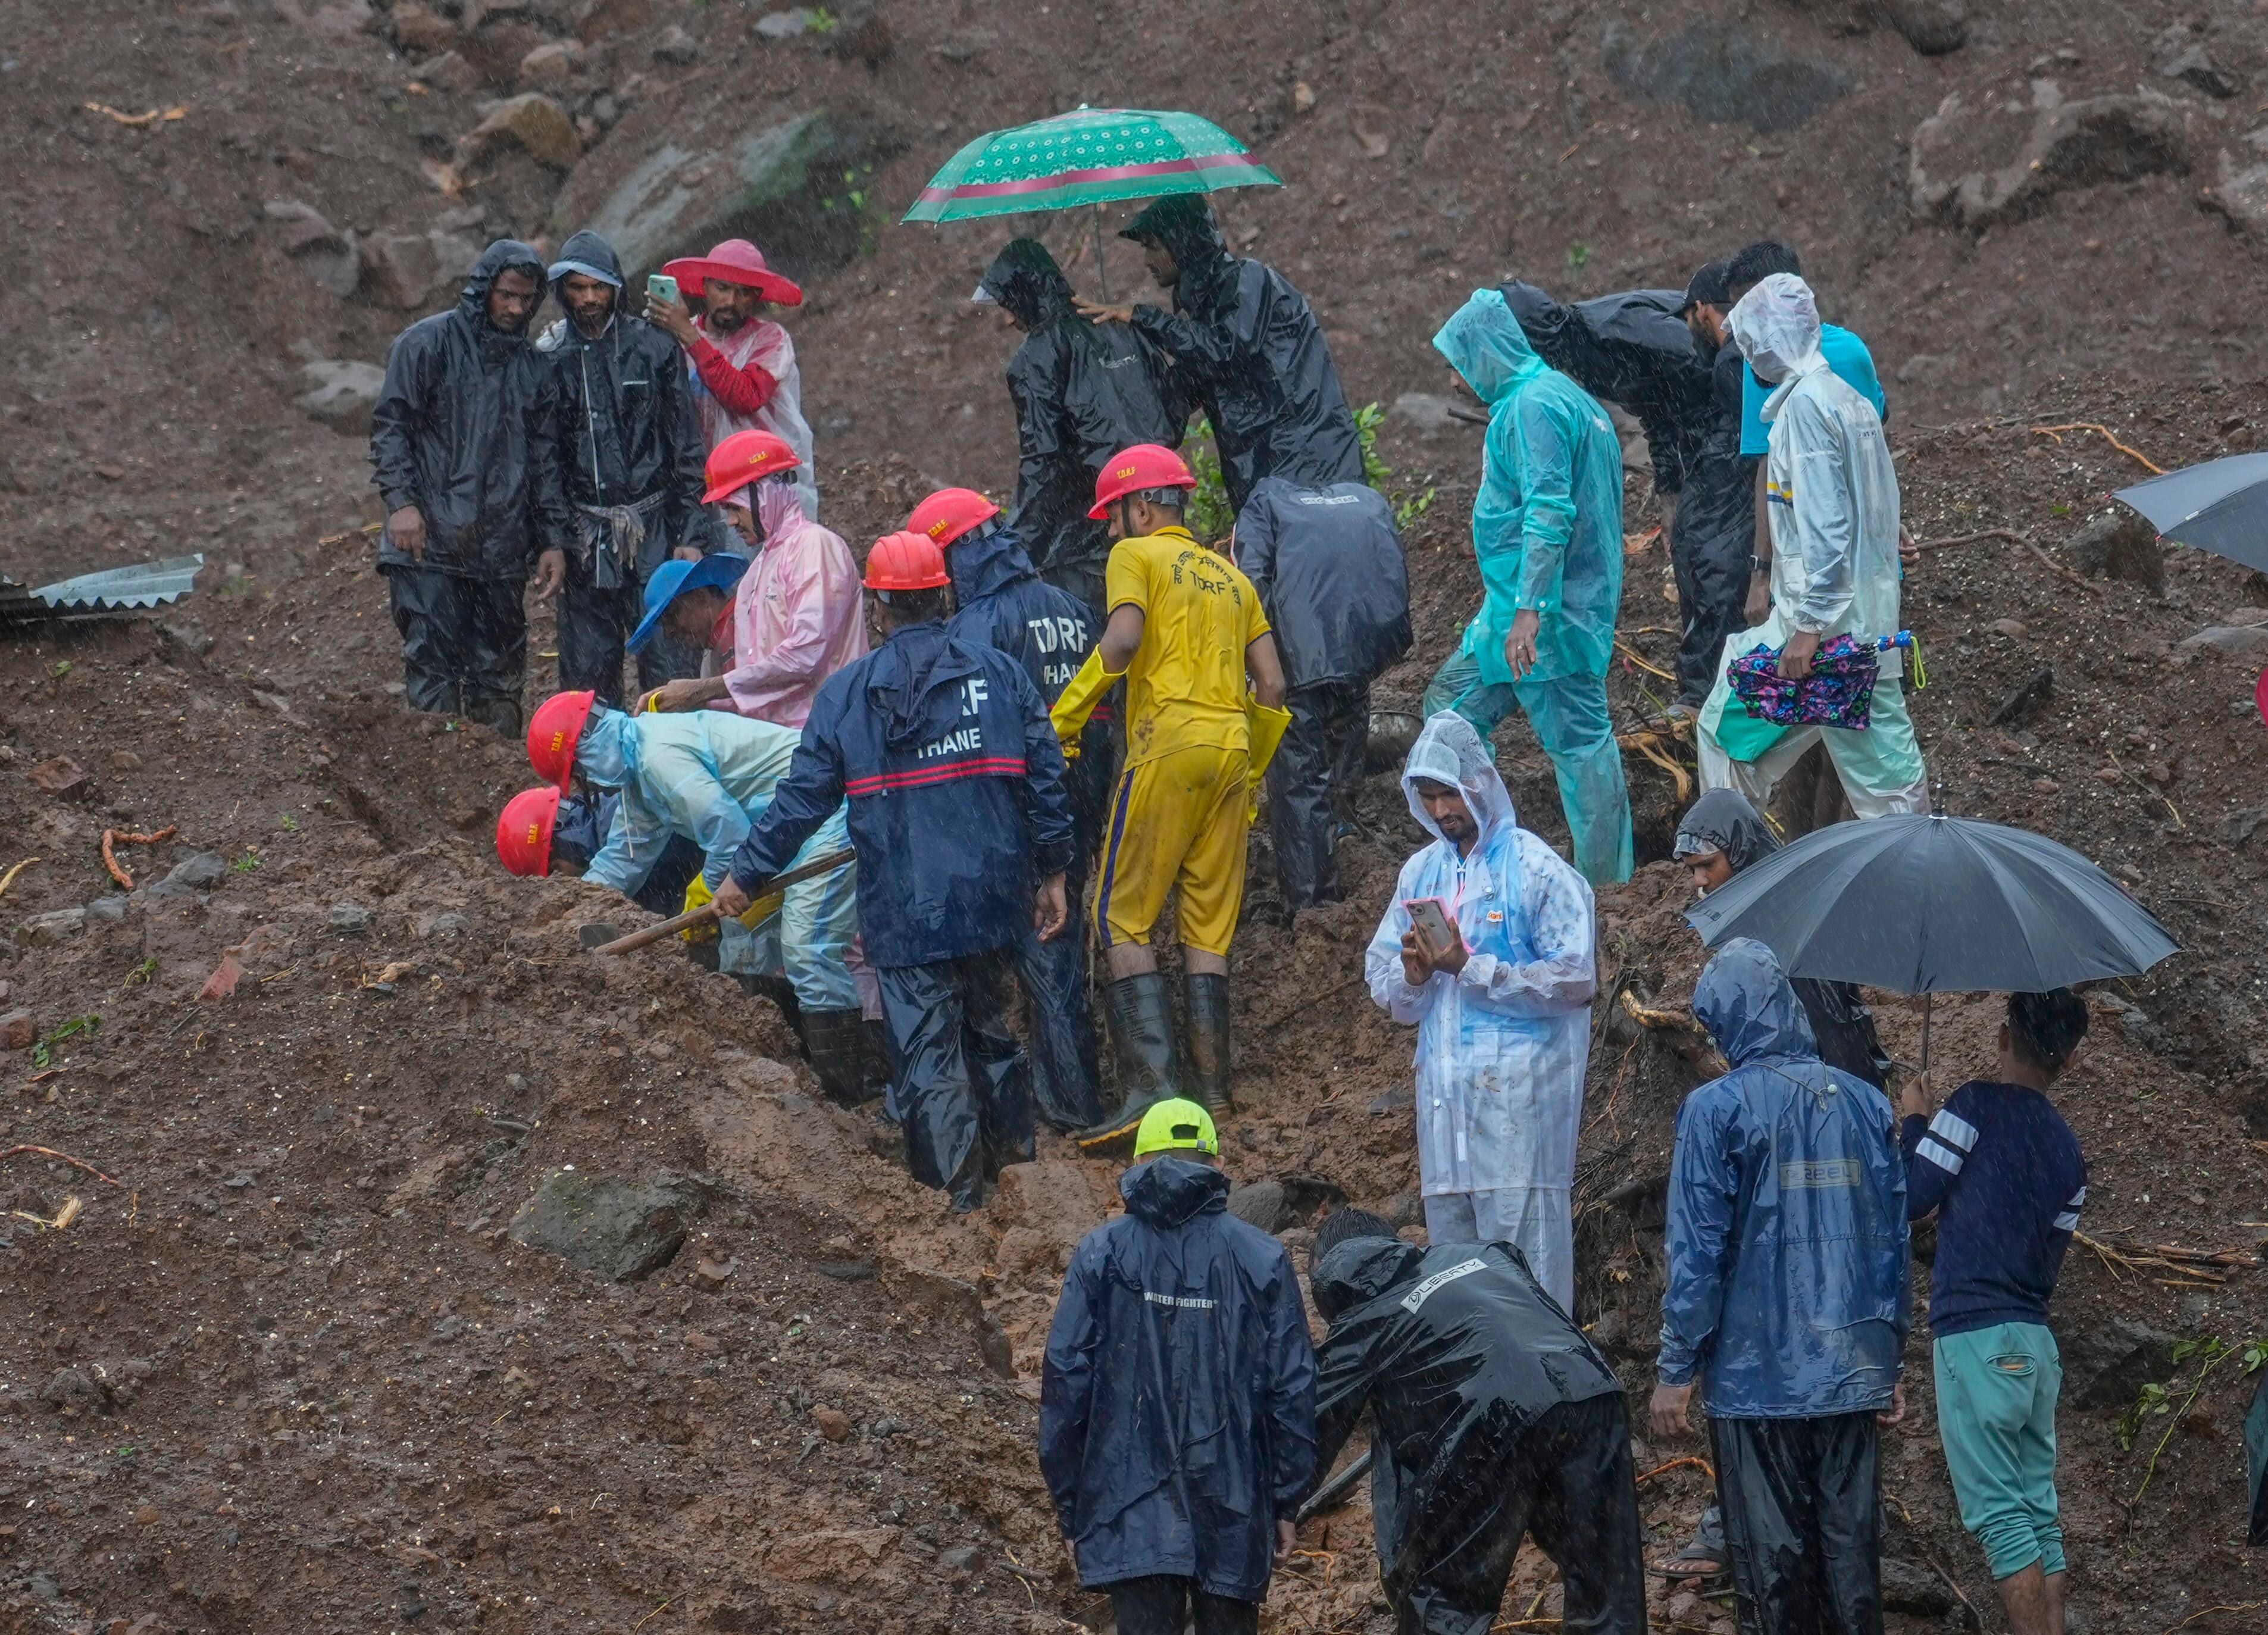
[[1005, 605], [2005, 1175], [955, 784], [1329, 566], [1177, 1403]]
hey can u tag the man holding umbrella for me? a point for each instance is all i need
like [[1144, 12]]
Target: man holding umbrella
[[1248, 347]]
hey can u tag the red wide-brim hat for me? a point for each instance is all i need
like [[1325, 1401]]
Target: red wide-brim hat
[[736, 260]]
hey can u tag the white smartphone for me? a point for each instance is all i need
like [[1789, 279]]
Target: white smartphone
[[1430, 917]]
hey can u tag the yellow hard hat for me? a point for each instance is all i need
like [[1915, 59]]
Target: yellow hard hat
[[1176, 1125]]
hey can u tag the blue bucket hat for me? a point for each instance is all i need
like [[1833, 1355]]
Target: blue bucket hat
[[718, 570]]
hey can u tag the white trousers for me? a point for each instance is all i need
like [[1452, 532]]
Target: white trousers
[[1536, 1220], [1881, 768]]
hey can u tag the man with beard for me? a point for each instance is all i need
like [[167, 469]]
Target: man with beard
[[630, 455], [1081, 392], [744, 374], [461, 440], [1247, 347]]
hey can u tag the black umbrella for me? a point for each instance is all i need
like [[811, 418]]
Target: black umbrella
[[2220, 506], [1928, 905]]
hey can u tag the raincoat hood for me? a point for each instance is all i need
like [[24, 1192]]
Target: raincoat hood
[[607, 754], [1359, 1270], [1723, 821], [1025, 279], [986, 559], [1449, 751], [1744, 1000], [779, 507], [913, 682], [1483, 343], [1183, 223], [500, 257], [1171, 1192], [589, 253], [1776, 325]]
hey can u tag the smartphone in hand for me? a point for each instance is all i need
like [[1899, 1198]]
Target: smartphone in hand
[[662, 287], [1430, 918]]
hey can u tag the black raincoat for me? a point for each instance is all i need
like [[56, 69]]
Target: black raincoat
[[1843, 1027], [1477, 1383], [1082, 392], [1177, 1403], [462, 431], [628, 431], [1329, 566], [1252, 354], [1632, 350]]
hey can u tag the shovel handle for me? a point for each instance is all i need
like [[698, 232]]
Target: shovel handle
[[706, 913]]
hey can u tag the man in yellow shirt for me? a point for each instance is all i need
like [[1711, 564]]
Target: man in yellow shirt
[[1185, 630]]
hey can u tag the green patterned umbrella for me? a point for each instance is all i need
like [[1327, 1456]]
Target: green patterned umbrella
[[1089, 156]]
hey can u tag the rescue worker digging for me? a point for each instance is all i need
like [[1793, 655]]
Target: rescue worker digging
[[630, 455], [1186, 629], [1004, 605], [710, 777], [462, 441], [953, 783], [1491, 1417], [773, 634]]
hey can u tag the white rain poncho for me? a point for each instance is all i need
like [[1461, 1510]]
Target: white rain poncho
[[1832, 501], [708, 775], [1502, 1045]]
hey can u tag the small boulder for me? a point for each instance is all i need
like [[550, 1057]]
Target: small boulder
[[448, 72], [200, 871], [56, 775], [676, 48], [2108, 1367], [1262, 1204], [1932, 28], [420, 31], [777, 26], [550, 63], [107, 911], [2120, 544], [2184, 57], [2228, 638], [1913, 1589], [401, 268], [349, 919], [1722, 72], [2014, 629], [73, 1391], [2083, 144], [831, 1423], [617, 1229], [44, 931], [301, 233], [18, 1031], [530, 121], [341, 393]]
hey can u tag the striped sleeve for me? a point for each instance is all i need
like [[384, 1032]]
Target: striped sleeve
[[1949, 1141], [2068, 1220]]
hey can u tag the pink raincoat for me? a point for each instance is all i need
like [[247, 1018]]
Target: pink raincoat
[[765, 346], [796, 617]]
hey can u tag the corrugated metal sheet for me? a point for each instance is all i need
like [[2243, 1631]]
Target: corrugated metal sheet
[[145, 585]]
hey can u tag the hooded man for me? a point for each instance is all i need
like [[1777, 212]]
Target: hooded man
[[954, 781], [1787, 1294], [1641, 350], [795, 614], [1503, 1011], [1002, 603], [461, 440], [1329, 565], [710, 777], [1832, 496], [1186, 633], [1548, 530], [1490, 1416], [1247, 346], [743, 366], [631, 453], [1177, 1400], [1081, 393]]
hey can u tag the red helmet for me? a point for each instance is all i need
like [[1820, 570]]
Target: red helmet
[[554, 731], [906, 562], [1144, 466], [523, 830], [947, 515], [742, 459]]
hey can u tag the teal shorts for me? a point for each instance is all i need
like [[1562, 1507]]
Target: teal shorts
[[1996, 1402]]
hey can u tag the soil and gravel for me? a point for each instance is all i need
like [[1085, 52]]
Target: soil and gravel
[[303, 1365]]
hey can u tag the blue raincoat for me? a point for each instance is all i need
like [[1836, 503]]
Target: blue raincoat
[[1548, 533], [708, 776], [1787, 1287], [1177, 1403], [1502, 1045], [953, 781]]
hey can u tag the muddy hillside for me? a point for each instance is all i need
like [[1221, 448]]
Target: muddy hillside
[[293, 1343]]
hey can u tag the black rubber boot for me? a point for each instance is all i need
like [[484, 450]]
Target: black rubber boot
[[878, 1059], [1142, 1038], [1206, 1078], [835, 1041], [501, 715]]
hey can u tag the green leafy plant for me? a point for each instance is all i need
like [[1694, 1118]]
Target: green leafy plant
[[820, 20], [43, 1052], [291, 824], [248, 862], [2156, 1401], [1210, 518], [141, 974], [1579, 256]]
